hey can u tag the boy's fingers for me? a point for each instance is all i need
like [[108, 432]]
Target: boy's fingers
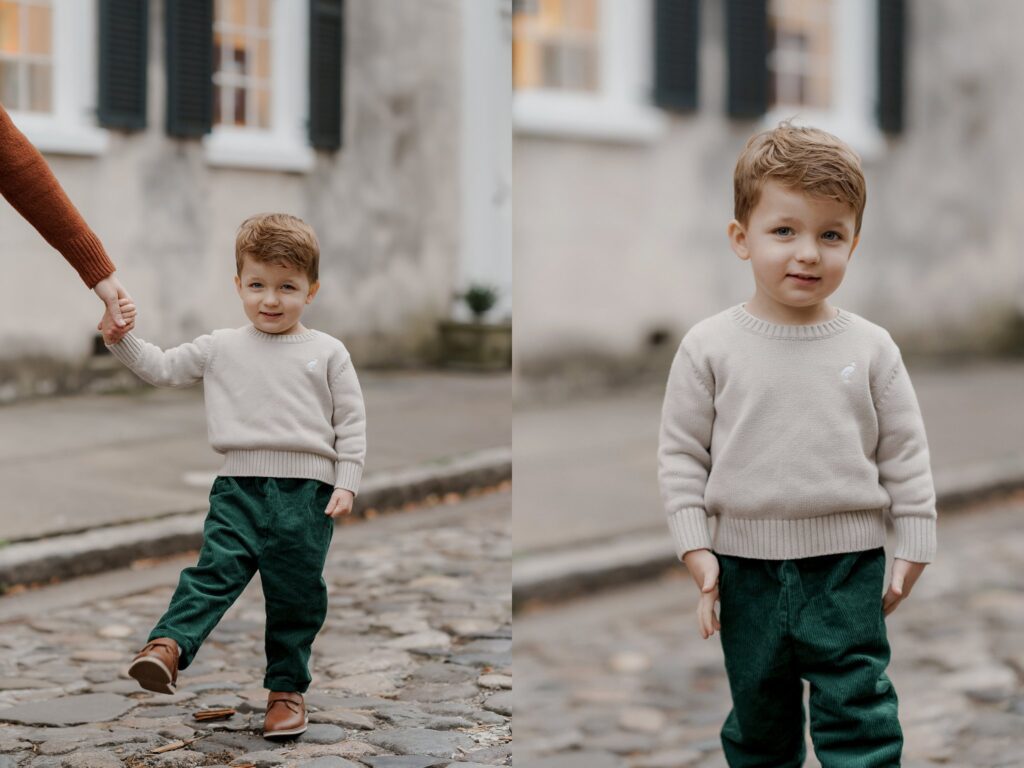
[[709, 582]]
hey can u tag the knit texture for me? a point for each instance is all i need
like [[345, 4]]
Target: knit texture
[[277, 405], [30, 186], [797, 440]]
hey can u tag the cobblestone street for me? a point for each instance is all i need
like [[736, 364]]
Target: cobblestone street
[[412, 668], [623, 679]]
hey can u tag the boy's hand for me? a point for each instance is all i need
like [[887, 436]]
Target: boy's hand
[[340, 503], [112, 333], [703, 566], [904, 576]]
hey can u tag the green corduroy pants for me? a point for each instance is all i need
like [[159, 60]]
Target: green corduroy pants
[[274, 526], [817, 619]]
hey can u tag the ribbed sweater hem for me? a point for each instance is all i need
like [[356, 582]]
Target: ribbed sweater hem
[[269, 463], [773, 539]]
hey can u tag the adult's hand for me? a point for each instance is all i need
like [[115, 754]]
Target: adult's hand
[[110, 291]]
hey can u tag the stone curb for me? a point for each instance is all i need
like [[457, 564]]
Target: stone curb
[[567, 573], [117, 546]]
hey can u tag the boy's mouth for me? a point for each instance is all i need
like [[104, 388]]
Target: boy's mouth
[[272, 315], [803, 277]]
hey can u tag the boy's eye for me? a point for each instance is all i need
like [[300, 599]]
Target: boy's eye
[[255, 285], [287, 287], [832, 236], [784, 231]]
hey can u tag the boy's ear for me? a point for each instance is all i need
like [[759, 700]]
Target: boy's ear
[[856, 241], [238, 284], [312, 291], [738, 239]]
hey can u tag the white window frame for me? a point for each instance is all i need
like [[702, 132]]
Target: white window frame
[[71, 127], [621, 108], [285, 145], [854, 82]]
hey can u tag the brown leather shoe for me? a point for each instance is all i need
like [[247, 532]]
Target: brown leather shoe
[[156, 666], [286, 715]]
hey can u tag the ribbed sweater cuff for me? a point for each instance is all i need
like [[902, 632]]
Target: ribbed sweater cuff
[[915, 538], [690, 530], [348, 476], [127, 350], [88, 256]]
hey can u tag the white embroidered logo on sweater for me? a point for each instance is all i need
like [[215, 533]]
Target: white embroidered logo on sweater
[[847, 372], [311, 365]]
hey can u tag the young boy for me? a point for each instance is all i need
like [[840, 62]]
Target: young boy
[[284, 407], [794, 424]]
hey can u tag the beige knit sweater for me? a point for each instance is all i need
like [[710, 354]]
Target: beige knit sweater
[[797, 439], [277, 405]]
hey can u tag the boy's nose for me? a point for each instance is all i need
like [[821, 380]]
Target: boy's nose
[[808, 255]]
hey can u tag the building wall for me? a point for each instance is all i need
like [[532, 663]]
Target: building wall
[[386, 208], [615, 243]]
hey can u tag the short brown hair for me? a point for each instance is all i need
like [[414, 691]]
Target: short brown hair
[[807, 159], [278, 237]]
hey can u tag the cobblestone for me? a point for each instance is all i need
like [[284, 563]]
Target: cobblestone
[[419, 621], [623, 680]]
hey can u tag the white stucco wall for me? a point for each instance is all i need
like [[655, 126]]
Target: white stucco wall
[[615, 240]]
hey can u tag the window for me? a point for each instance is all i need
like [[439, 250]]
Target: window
[[48, 73], [557, 46], [822, 68], [260, 85], [241, 63], [582, 68], [26, 57], [800, 53]]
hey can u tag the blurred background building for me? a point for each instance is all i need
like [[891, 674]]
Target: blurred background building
[[628, 116], [383, 123]]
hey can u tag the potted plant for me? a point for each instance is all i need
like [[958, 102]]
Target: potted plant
[[476, 344]]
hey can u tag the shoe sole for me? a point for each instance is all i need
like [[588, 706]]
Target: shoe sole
[[288, 732], [153, 675]]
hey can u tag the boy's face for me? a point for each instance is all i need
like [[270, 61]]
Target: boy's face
[[274, 295], [798, 247]]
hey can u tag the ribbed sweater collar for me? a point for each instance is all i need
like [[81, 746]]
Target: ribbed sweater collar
[[280, 338], [829, 328]]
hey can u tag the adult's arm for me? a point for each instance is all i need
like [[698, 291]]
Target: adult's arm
[[30, 186]]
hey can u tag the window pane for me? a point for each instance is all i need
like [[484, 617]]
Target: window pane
[[235, 12], [239, 116], [556, 44], [39, 30], [263, 13], [40, 87], [262, 96], [261, 64], [9, 26], [9, 84]]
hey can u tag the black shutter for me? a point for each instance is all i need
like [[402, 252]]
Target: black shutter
[[326, 84], [675, 54], [123, 28], [747, 40], [891, 45], [189, 27]]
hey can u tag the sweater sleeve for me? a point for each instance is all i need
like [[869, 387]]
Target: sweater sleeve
[[684, 458], [176, 367], [349, 421], [30, 186], [904, 469]]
